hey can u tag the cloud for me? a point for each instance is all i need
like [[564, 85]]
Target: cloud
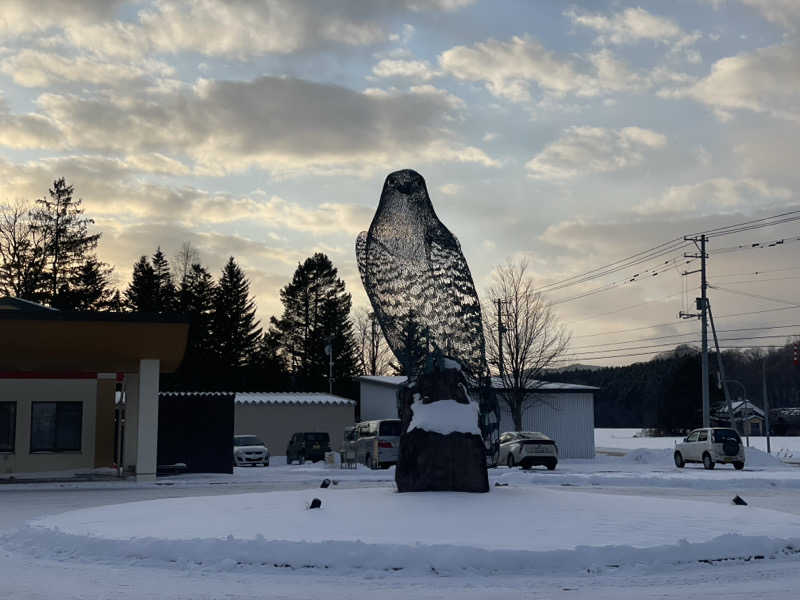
[[283, 125], [234, 28], [509, 68], [627, 27], [450, 189], [766, 80], [785, 13], [28, 130], [585, 150], [21, 17], [716, 195], [34, 68], [419, 70]]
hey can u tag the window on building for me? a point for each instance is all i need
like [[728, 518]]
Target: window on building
[[56, 426], [8, 422]]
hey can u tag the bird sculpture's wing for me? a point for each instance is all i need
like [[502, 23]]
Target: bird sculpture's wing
[[435, 291]]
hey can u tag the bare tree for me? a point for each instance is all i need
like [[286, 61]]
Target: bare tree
[[22, 252], [182, 263], [374, 355], [531, 339]]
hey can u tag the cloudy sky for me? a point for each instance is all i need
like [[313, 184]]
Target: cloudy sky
[[569, 134]]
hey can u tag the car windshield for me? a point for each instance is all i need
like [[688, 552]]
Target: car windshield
[[532, 435], [720, 435], [321, 438], [389, 428], [247, 440]]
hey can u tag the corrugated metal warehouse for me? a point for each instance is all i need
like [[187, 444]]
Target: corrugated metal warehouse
[[274, 417], [563, 411]]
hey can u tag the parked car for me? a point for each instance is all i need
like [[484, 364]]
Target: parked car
[[375, 444], [528, 449], [710, 446], [249, 450], [309, 445]]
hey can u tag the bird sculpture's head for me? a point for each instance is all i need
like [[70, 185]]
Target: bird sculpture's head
[[405, 190]]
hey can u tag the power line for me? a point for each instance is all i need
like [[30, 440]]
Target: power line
[[757, 272], [630, 261], [625, 308], [757, 296], [663, 337], [770, 221]]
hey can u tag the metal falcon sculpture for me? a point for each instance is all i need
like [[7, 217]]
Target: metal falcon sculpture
[[418, 280]]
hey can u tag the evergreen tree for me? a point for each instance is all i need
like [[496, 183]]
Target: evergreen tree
[[90, 290], [140, 294], [234, 326], [164, 294], [316, 312], [67, 243]]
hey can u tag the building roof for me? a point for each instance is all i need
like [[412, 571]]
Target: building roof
[[37, 339], [290, 398], [539, 386], [739, 406]]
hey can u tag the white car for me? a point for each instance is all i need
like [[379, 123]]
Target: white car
[[249, 450], [527, 449], [710, 446]]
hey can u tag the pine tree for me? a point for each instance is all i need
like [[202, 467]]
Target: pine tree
[[140, 294], [164, 294], [234, 326], [316, 311], [67, 243], [90, 290]]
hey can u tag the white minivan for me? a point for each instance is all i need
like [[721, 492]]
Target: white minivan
[[375, 444]]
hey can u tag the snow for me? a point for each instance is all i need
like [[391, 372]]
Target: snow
[[289, 398], [444, 416], [630, 526], [510, 529]]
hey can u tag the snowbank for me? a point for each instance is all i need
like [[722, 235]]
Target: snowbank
[[259, 553], [444, 416]]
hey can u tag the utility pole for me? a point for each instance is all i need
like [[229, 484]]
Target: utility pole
[[766, 400], [329, 352], [501, 329], [722, 380], [702, 306]]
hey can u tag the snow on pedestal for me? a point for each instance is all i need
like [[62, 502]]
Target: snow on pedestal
[[441, 448]]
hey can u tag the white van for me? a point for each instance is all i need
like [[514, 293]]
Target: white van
[[375, 444]]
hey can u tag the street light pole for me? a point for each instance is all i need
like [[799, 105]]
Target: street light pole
[[744, 397]]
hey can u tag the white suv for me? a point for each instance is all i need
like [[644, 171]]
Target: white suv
[[710, 446]]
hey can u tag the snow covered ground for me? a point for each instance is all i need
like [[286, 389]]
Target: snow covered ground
[[785, 448], [631, 526]]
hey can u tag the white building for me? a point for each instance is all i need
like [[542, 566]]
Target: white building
[[275, 417], [563, 411]]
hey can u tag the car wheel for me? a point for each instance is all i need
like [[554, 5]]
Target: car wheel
[[301, 459], [368, 461], [679, 462], [707, 462], [738, 465], [551, 465], [510, 461]]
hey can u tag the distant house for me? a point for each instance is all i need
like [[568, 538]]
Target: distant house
[[563, 411], [748, 417], [59, 371], [275, 416]]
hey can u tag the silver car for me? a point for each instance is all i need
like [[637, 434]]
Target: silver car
[[249, 450], [527, 449], [373, 443], [710, 446]]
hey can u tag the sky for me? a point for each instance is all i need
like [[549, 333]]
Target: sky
[[566, 134]]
